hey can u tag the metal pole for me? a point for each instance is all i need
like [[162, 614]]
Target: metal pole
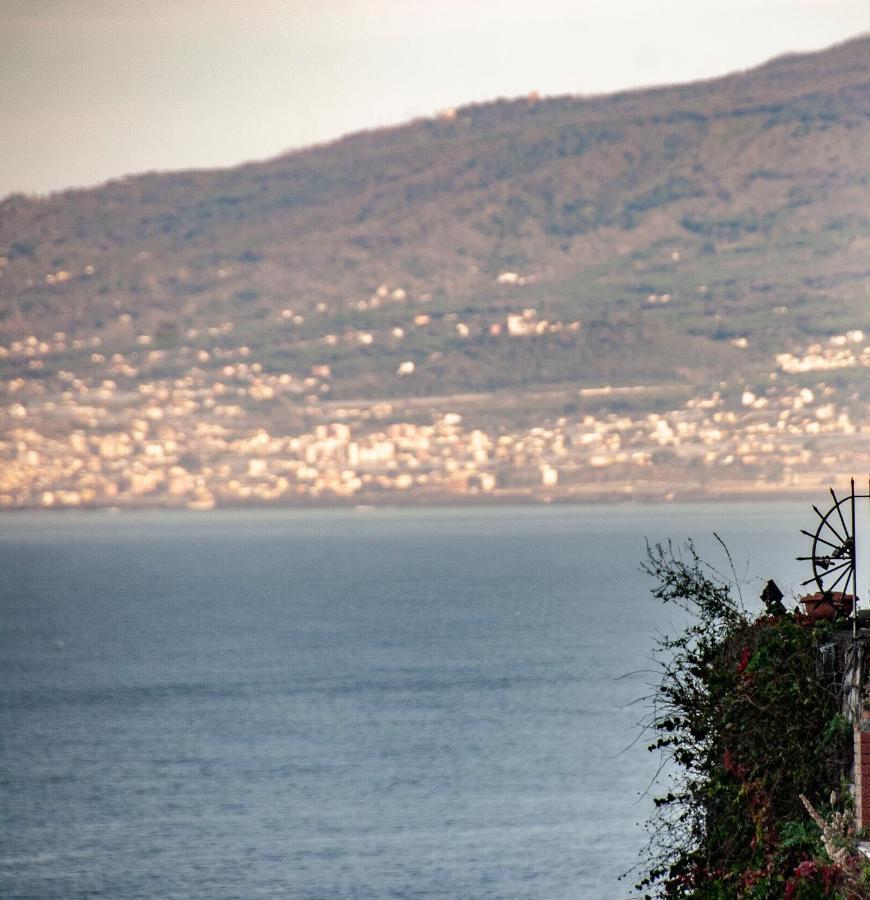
[[854, 568]]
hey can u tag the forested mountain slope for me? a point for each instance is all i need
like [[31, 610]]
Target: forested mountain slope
[[668, 222]]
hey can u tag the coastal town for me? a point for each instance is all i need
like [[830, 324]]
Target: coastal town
[[651, 296], [224, 431]]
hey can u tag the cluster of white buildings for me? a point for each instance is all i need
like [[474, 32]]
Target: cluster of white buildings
[[226, 431], [842, 351], [194, 441]]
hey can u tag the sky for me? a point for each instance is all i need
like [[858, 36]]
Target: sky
[[98, 89]]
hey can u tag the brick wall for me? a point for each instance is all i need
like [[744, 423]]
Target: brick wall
[[862, 775]]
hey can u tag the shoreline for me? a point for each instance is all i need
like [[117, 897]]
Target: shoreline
[[616, 494]]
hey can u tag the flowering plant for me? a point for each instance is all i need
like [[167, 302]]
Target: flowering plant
[[748, 731]]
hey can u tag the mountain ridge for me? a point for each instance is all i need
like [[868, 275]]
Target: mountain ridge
[[519, 262], [784, 59]]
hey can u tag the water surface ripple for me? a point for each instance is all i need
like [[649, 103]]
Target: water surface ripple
[[347, 704]]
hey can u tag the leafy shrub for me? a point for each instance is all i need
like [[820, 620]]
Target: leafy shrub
[[747, 726]]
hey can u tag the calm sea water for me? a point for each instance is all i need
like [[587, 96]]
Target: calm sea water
[[349, 704]]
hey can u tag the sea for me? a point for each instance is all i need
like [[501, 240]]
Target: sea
[[355, 703]]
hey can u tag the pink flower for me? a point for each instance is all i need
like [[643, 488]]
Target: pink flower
[[806, 869]]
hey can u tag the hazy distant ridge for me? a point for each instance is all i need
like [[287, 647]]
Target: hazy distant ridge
[[759, 181]]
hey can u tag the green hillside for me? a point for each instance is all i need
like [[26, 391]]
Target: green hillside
[[733, 198], [657, 293]]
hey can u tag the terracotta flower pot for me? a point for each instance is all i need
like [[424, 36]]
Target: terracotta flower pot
[[828, 605]]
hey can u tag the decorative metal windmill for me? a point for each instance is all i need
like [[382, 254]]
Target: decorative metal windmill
[[833, 555]]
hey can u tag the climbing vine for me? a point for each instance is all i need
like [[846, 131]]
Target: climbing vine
[[751, 739]]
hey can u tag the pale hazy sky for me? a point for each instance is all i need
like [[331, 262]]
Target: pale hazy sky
[[95, 89]]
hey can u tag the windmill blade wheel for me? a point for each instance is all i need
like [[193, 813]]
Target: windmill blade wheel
[[833, 549]]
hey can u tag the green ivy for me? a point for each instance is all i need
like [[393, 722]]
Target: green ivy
[[745, 725]]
